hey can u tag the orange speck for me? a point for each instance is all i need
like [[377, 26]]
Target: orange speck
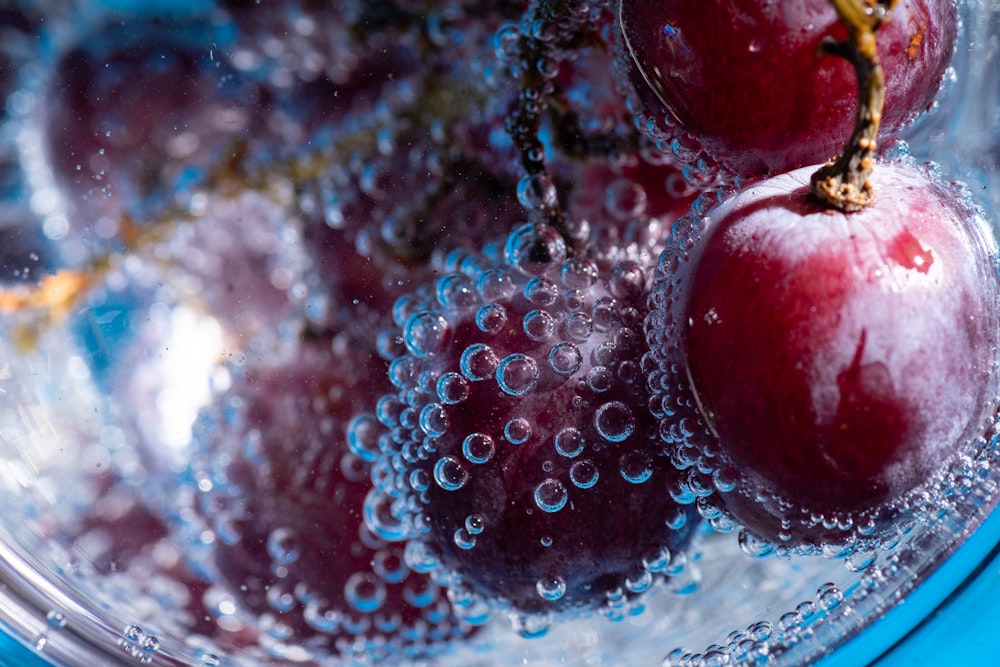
[[913, 50]]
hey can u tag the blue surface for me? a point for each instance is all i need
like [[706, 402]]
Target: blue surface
[[950, 619]]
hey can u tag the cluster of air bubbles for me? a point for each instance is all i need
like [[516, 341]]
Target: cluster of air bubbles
[[139, 644]]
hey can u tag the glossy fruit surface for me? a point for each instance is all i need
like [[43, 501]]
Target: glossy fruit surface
[[746, 79], [838, 360]]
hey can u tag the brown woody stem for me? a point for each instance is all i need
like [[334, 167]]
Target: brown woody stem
[[845, 182]]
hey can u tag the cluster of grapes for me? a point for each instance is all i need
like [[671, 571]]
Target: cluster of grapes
[[465, 382]]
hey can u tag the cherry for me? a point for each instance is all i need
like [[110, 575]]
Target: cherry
[[744, 77], [281, 490], [521, 460], [836, 360]]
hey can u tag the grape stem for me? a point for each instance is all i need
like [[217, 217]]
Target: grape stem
[[845, 182]]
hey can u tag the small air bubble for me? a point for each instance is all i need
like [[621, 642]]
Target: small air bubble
[[579, 326], [478, 448], [551, 495], [636, 467], [550, 588], [533, 248], [565, 358], [478, 362], [570, 442], [491, 318], [539, 325], [450, 474], [584, 474], [517, 374], [434, 420], [579, 272], [614, 421], [425, 333], [541, 292], [452, 388], [365, 592], [517, 431]]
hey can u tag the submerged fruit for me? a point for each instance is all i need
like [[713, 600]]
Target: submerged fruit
[[521, 457], [745, 78], [837, 360]]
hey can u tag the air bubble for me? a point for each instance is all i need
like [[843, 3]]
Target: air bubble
[[541, 291], [363, 436], [463, 539], [478, 448], [365, 592], [570, 442], [537, 192], [551, 495], [283, 546], [456, 291], [579, 326], [390, 566], [579, 272], [495, 285], [425, 333], [517, 374], [625, 199], [635, 467], [628, 281], [450, 474], [434, 420], [550, 588], [605, 313], [452, 388], [584, 474], [533, 248], [600, 379], [565, 358], [539, 325], [517, 430], [614, 421], [475, 524], [478, 362], [491, 318]]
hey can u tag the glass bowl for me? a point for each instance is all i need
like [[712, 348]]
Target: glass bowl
[[109, 354]]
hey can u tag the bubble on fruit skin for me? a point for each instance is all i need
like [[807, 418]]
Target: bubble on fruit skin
[[541, 291], [569, 442], [517, 431], [584, 474], [495, 285], [491, 318], [533, 248], [565, 358], [478, 362], [434, 420], [478, 448], [635, 466], [551, 495], [614, 421], [425, 333], [450, 474], [457, 291], [539, 325], [362, 436], [517, 374], [452, 388]]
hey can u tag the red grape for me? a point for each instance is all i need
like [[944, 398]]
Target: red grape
[[836, 360], [282, 491], [528, 465], [745, 78]]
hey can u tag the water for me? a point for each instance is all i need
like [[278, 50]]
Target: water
[[183, 286]]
